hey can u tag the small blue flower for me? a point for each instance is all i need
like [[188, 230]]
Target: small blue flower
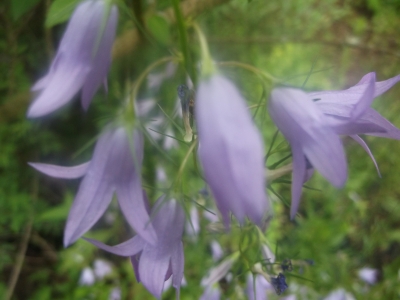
[[279, 283]]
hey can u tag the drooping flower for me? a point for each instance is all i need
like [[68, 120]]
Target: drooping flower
[[211, 292], [352, 117], [154, 264], [230, 150], [115, 167], [311, 138], [82, 60], [257, 287]]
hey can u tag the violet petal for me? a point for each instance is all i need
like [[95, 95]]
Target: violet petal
[[299, 168], [177, 265], [128, 248], [61, 172], [363, 144], [102, 60], [153, 266]]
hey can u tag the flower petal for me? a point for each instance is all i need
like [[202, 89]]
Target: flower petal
[[366, 148], [130, 198], [327, 155], [95, 191], [153, 267], [217, 273], [60, 89], [101, 61], [61, 172], [129, 248], [350, 96], [89, 205], [373, 116], [177, 265], [299, 169], [168, 219], [365, 100], [135, 263]]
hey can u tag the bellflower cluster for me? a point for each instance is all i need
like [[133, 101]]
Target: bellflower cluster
[[115, 167], [230, 150], [154, 264], [82, 61]]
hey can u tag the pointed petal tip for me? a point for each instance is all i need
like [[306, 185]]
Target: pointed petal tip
[[67, 242]]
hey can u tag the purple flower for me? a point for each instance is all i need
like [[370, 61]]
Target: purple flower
[[115, 167], [230, 150], [154, 264], [211, 292], [311, 137], [257, 287], [351, 116], [82, 61]]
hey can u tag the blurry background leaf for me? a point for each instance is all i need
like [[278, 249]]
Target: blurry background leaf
[[159, 28], [60, 11], [18, 7], [58, 213]]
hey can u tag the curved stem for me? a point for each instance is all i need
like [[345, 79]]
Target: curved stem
[[184, 161], [250, 68], [143, 75], [277, 173], [208, 67], [183, 40]]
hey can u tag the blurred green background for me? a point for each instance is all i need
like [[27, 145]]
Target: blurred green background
[[341, 231]]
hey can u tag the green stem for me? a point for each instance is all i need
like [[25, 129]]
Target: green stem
[[183, 164], [139, 80], [208, 67], [250, 68], [183, 40], [277, 173]]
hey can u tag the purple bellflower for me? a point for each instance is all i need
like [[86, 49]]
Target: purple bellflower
[[230, 150], [311, 137], [257, 287], [154, 264], [115, 167], [350, 115], [82, 60]]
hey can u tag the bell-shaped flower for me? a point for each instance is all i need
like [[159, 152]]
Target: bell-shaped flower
[[351, 115], [82, 60], [311, 138], [257, 287], [115, 167], [154, 264], [230, 150]]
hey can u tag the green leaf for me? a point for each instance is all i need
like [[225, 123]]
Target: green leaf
[[58, 213], [159, 29], [60, 11], [19, 8]]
